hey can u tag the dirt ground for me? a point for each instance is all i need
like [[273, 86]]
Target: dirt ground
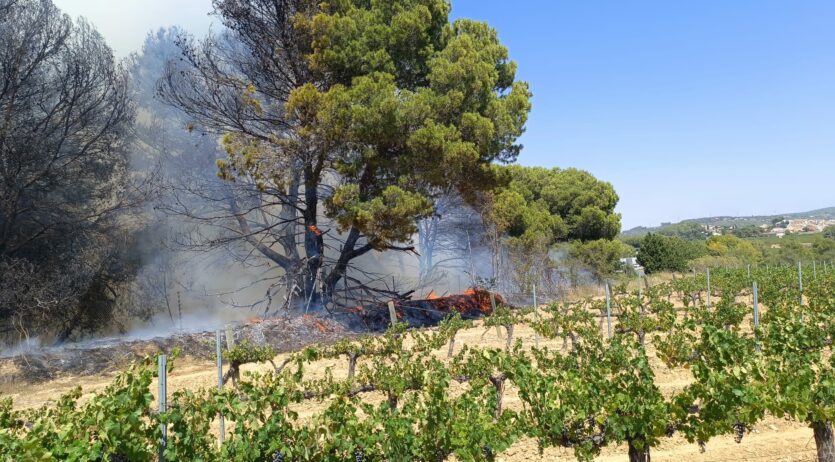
[[771, 440]]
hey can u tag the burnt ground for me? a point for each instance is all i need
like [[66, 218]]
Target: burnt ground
[[284, 334]]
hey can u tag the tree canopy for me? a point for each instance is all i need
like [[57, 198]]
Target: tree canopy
[[689, 230], [536, 208], [556, 205], [665, 253], [732, 246], [65, 116], [601, 257], [353, 111]]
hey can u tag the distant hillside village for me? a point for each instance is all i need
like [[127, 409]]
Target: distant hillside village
[[811, 222], [732, 241], [779, 228]]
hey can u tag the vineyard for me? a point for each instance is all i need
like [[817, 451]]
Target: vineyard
[[755, 346]]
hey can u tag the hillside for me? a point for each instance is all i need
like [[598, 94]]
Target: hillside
[[755, 220]]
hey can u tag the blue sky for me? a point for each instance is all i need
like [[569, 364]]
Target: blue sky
[[690, 108]]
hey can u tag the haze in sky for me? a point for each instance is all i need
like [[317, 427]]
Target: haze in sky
[[689, 108]]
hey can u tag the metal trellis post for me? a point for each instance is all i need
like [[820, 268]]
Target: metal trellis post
[[800, 280], [218, 340], [162, 364], [708, 287], [608, 308], [756, 313], [536, 317]]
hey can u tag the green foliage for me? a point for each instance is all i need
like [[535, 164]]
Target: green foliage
[[638, 412], [245, 352], [747, 231], [733, 247], [661, 253], [823, 249], [690, 231], [117, 423], [390, 217], [406, 102], [797, 342], [829, 232], [788, 252], [558, 204], [602, 391], [711, 261], [538, 208], [602, 256]]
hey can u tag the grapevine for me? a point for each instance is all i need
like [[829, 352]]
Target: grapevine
[[601, 391]]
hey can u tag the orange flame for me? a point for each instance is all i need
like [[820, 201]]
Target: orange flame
[[315, 230], [316, 323], [356, 310]]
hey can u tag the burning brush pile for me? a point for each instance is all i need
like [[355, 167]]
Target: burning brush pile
[[472, 304]]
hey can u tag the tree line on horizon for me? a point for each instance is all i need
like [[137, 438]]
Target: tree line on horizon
[[660, 252]]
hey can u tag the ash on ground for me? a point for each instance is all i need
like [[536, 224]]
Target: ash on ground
[[284, 334]]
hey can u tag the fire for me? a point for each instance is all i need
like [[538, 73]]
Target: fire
[[315, 230], [315, 322], [470, 302], [474, 303]]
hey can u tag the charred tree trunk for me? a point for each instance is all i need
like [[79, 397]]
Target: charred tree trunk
[[314, 241], [824, 441], [349, 252], [427, 234], [638, 455], [289, 215]]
